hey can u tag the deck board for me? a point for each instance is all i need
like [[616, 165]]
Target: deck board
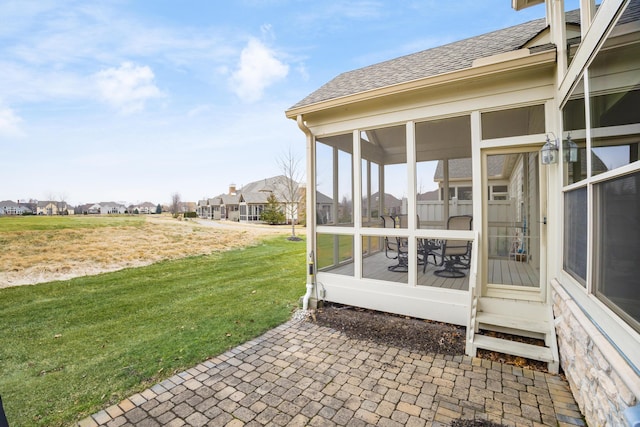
[[501, 271]]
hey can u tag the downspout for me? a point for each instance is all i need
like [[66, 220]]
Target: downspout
[[311, 207]]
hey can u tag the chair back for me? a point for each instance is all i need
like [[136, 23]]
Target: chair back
[[458, 222], [388, 221]]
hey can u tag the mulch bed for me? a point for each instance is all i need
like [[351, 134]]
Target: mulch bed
[[390, 329], [413, 334]]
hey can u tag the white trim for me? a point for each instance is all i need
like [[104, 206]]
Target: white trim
[[424, 302], [356, 180], [616, 173], [514, 141], [410, 134], [478, 187], [492, 96], [596, 34]]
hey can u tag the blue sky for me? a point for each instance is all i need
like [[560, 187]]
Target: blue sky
[[133, 101]]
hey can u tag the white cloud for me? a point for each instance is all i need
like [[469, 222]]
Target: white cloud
[[258, 69], [10, 123], [128, 87]]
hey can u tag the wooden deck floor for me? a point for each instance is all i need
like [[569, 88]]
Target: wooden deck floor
[[512, 272], [501, 271]]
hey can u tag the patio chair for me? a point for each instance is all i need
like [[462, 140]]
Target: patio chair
[[390, 248], [395, 247], [428, 248], [455, 255]]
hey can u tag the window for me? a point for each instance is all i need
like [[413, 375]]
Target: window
[[384, 173], [614, 100], [443, 156], [498, 192], [575, 234], [465, 193], [602, 193], [618, 246], [334, 177], [335, 253]]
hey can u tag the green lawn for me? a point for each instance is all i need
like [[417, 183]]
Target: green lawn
[[70, 348]]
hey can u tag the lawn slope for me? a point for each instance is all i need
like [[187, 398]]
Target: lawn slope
[[70, 348]]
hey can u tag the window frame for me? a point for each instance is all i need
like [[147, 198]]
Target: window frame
[[614, 328]]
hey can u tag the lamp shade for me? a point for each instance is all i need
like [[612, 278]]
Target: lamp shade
[[549, 153], [570, 150]]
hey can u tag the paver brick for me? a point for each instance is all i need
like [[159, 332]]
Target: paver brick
[[301, 374]]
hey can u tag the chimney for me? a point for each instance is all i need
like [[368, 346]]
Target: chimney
[[232, 189]]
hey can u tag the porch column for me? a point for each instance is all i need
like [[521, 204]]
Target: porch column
[[411, 201], [357, 205], [445, 191], [478, 184]]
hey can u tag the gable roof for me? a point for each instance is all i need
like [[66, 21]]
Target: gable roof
[[432, 62], [8, 204], [323, 199], [229, 199], [256, 192], [255, 198]]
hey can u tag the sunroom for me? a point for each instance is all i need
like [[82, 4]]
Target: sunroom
[[530, 134], [406, 163]]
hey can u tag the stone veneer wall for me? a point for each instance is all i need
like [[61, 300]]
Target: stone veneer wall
[[593, 367]]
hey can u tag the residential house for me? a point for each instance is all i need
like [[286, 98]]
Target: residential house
[[229, 205], [527, 110], [204, 209], [48, 207], [9, 207], [145, 208], [324, 207], [111, 208], [248, 203]]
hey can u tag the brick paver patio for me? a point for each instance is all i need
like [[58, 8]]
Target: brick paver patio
[[301, 374]]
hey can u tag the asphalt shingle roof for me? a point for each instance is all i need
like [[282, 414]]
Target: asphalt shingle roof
[[428, 63]]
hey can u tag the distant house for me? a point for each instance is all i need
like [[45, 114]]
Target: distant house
[[9, 207], [248, 203], [110, 208], [102, 208], [324, 205], [48, 207], [143, 208]]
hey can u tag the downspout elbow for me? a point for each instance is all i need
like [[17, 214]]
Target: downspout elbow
[[302, 126], [307, 296]]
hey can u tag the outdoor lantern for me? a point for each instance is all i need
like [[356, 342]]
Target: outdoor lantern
[[549, 152], [570, 150]]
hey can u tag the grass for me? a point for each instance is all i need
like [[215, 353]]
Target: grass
[[70, 348], [40, 249], [40, 223]]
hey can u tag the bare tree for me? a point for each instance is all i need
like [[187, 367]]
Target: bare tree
[[175, 204], [61, 202], [289, 165]]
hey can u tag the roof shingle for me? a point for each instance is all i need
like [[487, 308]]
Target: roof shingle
[[431, 62]]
